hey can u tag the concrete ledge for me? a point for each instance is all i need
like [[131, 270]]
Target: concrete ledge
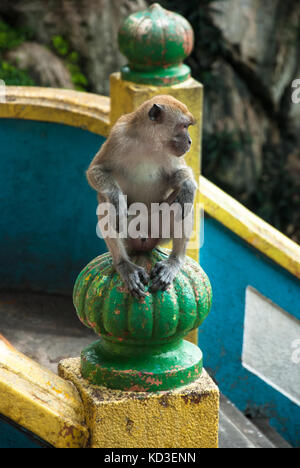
[[183, 418], [64, 106], [40, 401]]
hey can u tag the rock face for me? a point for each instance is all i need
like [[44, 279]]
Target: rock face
[[90, 26], [238, 124], [43, 65], [258, 62], [265, 37]]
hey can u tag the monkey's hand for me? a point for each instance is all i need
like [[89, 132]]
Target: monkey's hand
[[134, 277], [163, 274], [185, 198]]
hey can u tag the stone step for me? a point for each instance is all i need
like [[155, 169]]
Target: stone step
[[264, 426], [237, 431]]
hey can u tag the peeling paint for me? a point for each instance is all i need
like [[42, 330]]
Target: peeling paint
[[156, 42]]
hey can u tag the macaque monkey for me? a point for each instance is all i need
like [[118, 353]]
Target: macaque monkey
[[143, 159]]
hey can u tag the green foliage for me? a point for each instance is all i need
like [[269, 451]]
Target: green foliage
[[72, 59], [11, 37], [13, 76], [60, 45], [78, 78]]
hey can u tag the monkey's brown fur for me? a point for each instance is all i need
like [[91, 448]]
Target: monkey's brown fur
[[142, 159]]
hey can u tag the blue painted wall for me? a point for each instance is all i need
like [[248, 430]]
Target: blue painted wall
[[232, 265], [12, 436], [48, 211]]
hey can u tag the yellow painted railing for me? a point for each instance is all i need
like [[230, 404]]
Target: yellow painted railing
[[40, 401]]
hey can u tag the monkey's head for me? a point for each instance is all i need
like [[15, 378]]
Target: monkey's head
[[171, 120], [163, 121]]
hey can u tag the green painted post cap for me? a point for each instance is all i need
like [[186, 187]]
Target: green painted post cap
[[156, 42], [141, 346]]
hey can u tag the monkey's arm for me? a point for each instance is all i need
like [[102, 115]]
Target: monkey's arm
[[184, 188], [134, 276], [101, 179], [108, 190]]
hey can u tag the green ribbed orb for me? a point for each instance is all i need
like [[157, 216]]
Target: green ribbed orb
[[141, 346], [156, 42]]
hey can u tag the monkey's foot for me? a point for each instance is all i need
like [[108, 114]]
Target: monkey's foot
[[163, 274], [134, 277]]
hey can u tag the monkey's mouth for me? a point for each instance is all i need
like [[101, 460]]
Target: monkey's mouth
[[179, 149]]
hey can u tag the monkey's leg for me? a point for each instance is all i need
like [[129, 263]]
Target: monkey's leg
[[134, 276], [164, 272]]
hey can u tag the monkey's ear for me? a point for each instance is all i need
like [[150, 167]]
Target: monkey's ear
[[156, 113]]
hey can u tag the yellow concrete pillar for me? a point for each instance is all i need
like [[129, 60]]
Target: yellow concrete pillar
[[186, 417]]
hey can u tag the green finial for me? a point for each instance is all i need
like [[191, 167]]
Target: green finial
[[156, 41], [141, 345]]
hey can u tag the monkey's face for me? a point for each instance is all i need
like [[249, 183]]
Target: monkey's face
[[180, 142], [173, 125]]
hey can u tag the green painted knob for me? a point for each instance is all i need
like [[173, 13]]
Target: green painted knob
[[141, 346], [156, 41]]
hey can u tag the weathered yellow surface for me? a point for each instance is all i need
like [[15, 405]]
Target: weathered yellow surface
[[84, 110], [127, 96], [250, 227], [192, 336], [40, 401], [183, 418]]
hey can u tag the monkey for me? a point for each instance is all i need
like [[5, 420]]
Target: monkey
[[143, 161]]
